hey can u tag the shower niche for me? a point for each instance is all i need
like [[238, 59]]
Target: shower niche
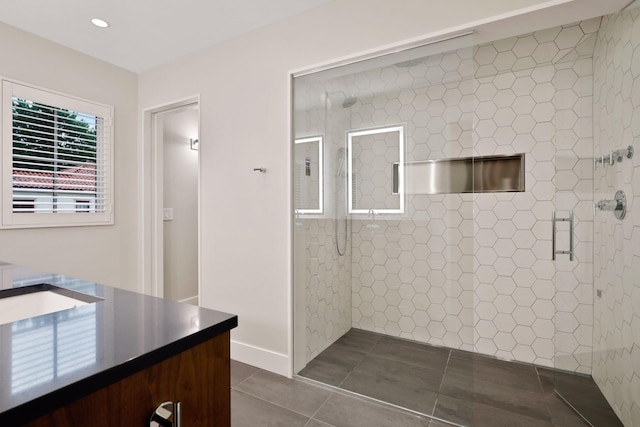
[[484, 174]]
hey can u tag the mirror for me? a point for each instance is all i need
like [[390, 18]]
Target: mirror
[[372, 155], [308, 175]]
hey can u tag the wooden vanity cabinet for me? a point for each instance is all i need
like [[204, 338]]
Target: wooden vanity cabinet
[[198, 377]]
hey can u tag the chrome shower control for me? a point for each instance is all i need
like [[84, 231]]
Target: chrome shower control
[[618, 205]]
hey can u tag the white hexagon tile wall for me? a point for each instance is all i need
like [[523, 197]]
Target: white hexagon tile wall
[[616, 362], [475, 271]]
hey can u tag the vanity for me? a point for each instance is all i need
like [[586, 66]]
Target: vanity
[[77, 353]]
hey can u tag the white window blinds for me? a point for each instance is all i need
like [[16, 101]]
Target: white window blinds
[[57, 159]]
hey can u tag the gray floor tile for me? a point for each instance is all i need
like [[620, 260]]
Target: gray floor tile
[[292, 394], [325, 372], [409, 374], [438, 423], [394, 350], [347, 411], [582, 393], [520, 380], [240, 372], [546, 379], [391, 370], [414, 398], [488, 393], [481, 358], [592, 405], [249, 411], [316, 423], [562, 414], [342, 355], [475, 414], [414, 344]]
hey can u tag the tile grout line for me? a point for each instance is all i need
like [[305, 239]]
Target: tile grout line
[[245, 379], [366, 353], [313, 417], [336, 390], [435, 404], [273, 403], [544, 394]]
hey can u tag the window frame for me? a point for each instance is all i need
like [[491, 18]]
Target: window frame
[[10, 219]]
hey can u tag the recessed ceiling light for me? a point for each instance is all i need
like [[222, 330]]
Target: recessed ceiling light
[[100, 23]]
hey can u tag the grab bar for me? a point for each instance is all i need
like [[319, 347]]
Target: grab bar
[[554, 252]]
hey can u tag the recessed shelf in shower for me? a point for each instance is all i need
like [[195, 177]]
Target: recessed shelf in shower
[[482, 174]]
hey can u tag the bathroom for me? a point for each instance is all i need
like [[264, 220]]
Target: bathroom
[[480, 262], [521, 271]]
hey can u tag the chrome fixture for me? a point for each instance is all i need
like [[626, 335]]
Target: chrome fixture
[[618, 205], [348, 100], [554, 221], [625, 152], [261, 170], [372, 218], [479, 174], [339, 183], [613, 156], [165, 415]]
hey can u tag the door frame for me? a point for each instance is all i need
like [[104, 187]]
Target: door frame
[[150, 239]]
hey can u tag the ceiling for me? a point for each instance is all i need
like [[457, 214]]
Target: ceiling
[[146, 33]]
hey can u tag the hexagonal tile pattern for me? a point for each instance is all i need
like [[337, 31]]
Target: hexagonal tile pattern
[[616, 252], [471, 271]]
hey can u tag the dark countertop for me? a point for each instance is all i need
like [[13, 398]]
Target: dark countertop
[[51, 360]]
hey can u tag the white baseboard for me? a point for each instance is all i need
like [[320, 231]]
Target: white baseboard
[[261, 358]]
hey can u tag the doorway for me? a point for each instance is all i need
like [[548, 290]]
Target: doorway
[[171, 172]]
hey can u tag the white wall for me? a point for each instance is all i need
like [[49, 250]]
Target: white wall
[[105, 254], [244, 88], [180, 172]]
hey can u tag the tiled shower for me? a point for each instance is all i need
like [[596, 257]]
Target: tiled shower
[[474, 270]]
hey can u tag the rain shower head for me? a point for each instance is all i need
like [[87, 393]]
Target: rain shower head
[[347, 102], [409, 63]]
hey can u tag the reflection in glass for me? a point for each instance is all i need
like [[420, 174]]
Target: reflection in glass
[[372, 155], [309, 176], [53, 345]]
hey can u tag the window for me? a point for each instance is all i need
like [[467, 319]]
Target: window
[[24, 204], [83, 205], [56, 159]]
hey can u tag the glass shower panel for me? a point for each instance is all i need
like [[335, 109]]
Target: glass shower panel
[[574, 240], [377, 258], [322, 254]]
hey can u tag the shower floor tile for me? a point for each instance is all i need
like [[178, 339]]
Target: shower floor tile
[[465, 388]]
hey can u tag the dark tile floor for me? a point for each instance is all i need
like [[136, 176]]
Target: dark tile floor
[[465, 388], [260, 398]]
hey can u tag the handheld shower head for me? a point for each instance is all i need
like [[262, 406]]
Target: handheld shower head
[[340, 170]]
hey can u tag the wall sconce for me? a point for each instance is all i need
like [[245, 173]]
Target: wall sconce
[[195, 143]]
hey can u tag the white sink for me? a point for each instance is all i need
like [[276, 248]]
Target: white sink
[[32, 304]]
